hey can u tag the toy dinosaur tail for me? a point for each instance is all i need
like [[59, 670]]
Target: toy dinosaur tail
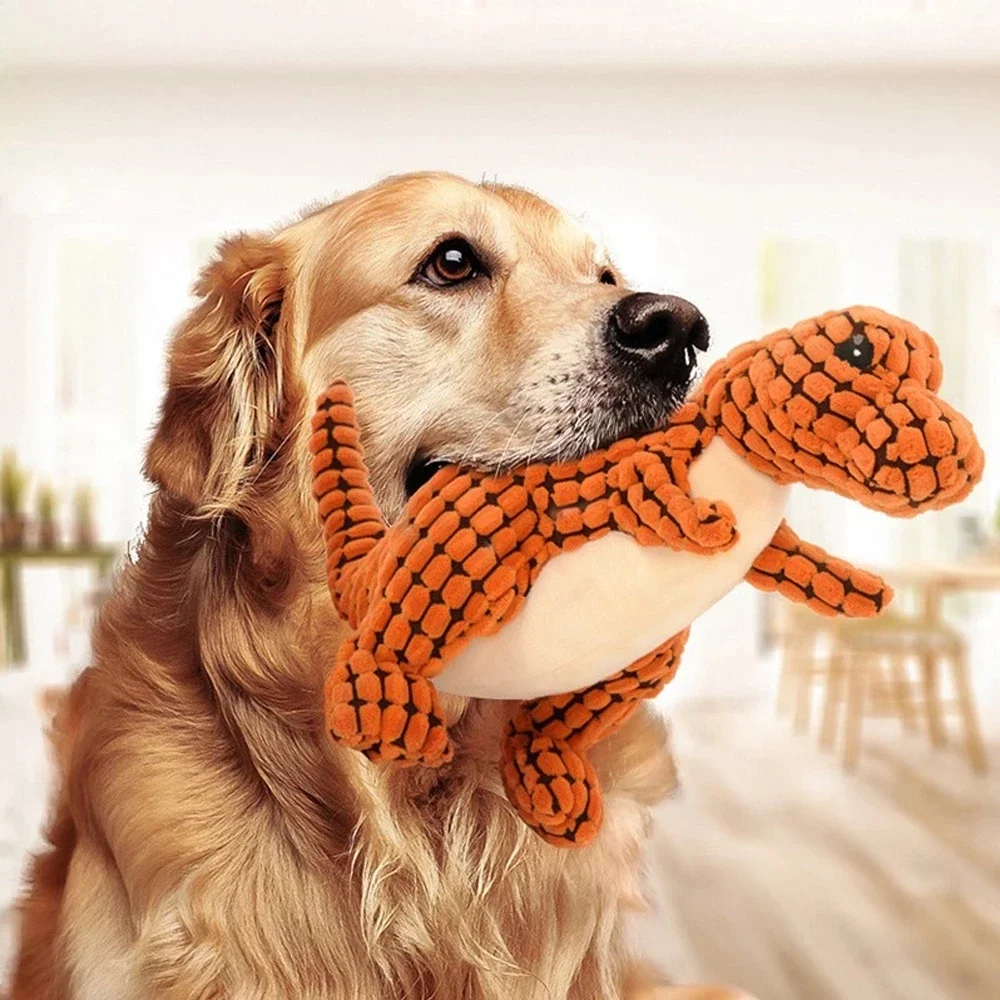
[[352, 521]]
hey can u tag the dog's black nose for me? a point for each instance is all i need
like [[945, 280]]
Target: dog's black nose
[[656, 329]]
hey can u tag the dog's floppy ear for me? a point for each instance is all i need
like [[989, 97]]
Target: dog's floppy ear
[[225, 379]]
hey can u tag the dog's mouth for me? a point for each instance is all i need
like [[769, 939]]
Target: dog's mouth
[[593, 416], [421, 471], [638, 371]]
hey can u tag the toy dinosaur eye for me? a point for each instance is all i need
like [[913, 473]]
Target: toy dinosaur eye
[[857, 350]]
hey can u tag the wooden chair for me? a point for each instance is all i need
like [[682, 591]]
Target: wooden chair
[[801, 637], [866, 668]]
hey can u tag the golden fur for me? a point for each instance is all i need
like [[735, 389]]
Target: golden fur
[[208, 842]]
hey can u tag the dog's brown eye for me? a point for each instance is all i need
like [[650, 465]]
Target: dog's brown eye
[[451, 263], [608, 277]]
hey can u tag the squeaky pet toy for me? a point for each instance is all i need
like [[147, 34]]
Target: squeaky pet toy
[[845, 402]]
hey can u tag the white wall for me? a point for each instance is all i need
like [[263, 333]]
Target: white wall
[[806, 150], [684, 174], [470, 35]]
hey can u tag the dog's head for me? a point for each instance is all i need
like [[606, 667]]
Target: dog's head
[[848, 401], [474, 323]]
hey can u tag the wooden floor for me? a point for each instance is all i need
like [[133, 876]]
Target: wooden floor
[[775, 871]]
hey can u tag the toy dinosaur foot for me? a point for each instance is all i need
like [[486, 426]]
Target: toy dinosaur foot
[[656, 511], [709, 524], [385, 712], [553, 788], [671, 517]]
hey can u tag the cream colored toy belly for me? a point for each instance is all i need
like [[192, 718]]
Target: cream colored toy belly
[[593, 611]]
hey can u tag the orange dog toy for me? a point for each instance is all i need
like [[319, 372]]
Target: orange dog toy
[[845, 402]]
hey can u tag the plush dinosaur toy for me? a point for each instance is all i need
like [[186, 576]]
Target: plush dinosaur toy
[[845, 402]]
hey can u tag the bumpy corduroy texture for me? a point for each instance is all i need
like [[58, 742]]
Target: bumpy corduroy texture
[[844, 402], [458, 564], [847, 402]]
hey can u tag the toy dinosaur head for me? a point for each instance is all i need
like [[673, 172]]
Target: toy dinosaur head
[[847, 402]]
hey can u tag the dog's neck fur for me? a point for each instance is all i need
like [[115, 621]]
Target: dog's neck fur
[[427, 861]]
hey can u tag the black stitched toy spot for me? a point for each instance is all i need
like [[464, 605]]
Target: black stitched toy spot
[[857, 350]]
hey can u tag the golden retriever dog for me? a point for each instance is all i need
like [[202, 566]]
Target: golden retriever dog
[[208, 842]]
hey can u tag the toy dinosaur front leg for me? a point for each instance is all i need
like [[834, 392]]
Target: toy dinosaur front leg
[[546, 772], [805, 574], [353, 526], [657, 511], [388, 713]]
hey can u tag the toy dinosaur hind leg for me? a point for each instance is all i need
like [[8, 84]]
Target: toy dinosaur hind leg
[[805, 574], [372, 703], [546, 772], [389, 714]]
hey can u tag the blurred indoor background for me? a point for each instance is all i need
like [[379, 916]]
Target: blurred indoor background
[[838, 830]]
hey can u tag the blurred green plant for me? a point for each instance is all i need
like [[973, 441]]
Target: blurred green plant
[[83, 515], [13, 485], [83, 503], [45, 503]]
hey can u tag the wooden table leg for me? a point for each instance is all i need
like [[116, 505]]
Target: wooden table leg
[[4, 623], [13, 631], [900, 681], [930, 609]]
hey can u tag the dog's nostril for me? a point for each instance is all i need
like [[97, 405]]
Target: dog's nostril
[[652, 325], [697, 334]]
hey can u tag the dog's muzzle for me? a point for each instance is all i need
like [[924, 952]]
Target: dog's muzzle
[[658, 333]]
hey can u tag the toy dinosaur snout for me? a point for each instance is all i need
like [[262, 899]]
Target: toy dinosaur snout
[[848, 402], [910, 451]]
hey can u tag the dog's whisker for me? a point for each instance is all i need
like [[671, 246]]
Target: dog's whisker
[[531, 447], [471, 447], [510, 438]]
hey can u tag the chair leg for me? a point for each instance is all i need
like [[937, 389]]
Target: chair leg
[[831, 704], [857, 672], [974, 749], [932, 704], [784, 699], [792, 655], [901, 693], [803, 698]]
